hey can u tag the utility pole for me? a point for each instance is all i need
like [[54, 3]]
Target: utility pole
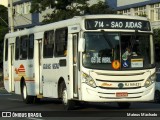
[[11, 15]]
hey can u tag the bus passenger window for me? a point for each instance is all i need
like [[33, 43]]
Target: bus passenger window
[[61, 42], [31, 46], [6, 50], [48, 44], [23, 47], [17, 48]]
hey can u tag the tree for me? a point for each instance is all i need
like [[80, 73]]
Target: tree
[[3, 28], [65, 9], [40, 5], [156, 37], [100, 8]]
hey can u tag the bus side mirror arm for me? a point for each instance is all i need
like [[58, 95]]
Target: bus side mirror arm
[[81, 45]]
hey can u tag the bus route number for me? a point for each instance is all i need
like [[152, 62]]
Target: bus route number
[[99, 24]]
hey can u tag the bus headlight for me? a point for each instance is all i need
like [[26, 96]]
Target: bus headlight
[[150, 80], [89, 80]]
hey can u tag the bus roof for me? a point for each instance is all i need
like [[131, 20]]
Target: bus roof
[[73, 21], [115, 16]]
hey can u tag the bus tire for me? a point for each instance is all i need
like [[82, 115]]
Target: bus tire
[[26, 98], [157, 97], [124, 105], [36, 100], [68, 104]]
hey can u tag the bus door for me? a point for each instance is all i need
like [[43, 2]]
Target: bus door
[[75, 64], [11, 66], [37, 62]]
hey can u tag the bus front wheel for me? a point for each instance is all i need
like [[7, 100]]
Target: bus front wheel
[[68, 104], [157, 97], [124, 105], [26, 98]]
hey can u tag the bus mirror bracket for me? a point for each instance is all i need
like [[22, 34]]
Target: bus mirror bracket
[[81, 45]]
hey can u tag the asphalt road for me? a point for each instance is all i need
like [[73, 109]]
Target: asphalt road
[[53, 108]]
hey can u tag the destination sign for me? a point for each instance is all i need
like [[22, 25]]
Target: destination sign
[[94, 24]]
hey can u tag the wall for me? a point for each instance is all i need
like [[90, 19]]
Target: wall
[[128, 2], [4, 2], [91, 2]]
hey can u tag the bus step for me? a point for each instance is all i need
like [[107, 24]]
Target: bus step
[[75, 95], [39, 96]]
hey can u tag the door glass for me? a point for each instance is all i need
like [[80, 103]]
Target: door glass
[[75, 71]]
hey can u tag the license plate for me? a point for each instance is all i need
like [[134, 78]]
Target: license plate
[[121, 94]]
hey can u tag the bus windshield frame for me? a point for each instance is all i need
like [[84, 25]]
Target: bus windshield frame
[[133, 51]]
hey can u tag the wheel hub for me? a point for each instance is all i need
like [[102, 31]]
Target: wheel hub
[[65, 97], [25, 92]]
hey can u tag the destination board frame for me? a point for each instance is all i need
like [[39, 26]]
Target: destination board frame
[[129, 24]]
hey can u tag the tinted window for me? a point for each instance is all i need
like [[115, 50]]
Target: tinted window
[[6, 50], [31, 46], [158, 77], [17, 48], [61, 42], [23, 47], [113, 51], [48, 44]]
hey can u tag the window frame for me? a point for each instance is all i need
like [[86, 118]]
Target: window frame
[[59, 42], [28, 47], [17, 53], [6, 50], [47, 44], [22, 47]]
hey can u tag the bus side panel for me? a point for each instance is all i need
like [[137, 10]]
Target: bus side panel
[[30, 78], [17, 77], [6, 75], [51, 74], [7, 66], [70, 67], [24, 70], [6, 72]]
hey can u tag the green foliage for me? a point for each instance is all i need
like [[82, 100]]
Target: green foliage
[[4, 15], [143, 15], [40, 5], [100, 8], [65, 9], [60, 15], [75, 9], [3, 28], [156, 36]]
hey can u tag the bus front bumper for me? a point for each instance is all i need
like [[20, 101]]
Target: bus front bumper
[[110, 95]]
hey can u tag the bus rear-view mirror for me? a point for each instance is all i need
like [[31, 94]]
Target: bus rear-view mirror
[[81, 45]]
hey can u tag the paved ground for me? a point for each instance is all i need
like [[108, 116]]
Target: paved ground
[[1, 81], [1, 84], [10, 102]]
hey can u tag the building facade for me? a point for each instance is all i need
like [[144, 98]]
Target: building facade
[[22, 18], [128, 2], [146, 8], [4, 2]]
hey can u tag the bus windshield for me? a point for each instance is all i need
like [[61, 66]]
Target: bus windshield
[[132, 51]]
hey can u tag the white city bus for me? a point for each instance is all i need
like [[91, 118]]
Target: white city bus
[[92, 58]]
